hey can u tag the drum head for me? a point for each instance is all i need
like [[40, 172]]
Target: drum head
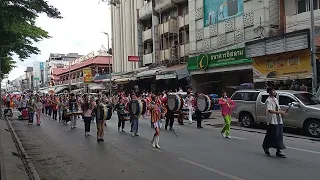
[[204, 103], [144, 106], [135, 107], [109, 114], [175, 102]]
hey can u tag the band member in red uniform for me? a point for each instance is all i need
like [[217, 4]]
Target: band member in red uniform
[[156, 111]]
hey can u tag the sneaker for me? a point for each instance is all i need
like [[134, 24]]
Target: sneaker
[[190, 122], [228, 137], [280, 155], [266, 151], [136, 134], [132, 134], [222, 134], [29, 123], [123, 130]]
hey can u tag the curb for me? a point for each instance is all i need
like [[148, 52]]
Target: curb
[[30, 169]]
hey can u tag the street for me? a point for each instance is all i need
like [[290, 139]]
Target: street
[[58, 152]]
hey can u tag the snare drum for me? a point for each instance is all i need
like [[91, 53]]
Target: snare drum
[[126, 116]]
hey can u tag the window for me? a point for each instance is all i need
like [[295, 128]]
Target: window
[[245, 96], [264, 98], [304, 5], [285, 100]]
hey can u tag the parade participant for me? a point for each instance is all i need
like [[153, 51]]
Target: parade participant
[[50, 105], [64, 105], [93, 104], [38, 107], [134, 119], [226, 109], [54, 106], [47, 105], [31, 107], [189, 101], [73, 107], [99, 120], [60, 108], [87, 109], [197, 112], [274, 135], [156, 111], [120, 108], [170, 114]]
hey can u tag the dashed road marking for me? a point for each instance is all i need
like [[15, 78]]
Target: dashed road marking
[[211, 169], [234, 137], [304, 150]]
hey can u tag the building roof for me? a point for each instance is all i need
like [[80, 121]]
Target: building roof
[[55, 71], [101, 60]]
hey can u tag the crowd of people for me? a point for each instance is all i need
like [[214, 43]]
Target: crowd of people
[[69, 107]]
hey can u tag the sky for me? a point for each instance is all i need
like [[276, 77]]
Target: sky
[[80, 31]]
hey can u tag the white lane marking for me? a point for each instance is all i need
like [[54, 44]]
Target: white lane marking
[[234, 137], [211, 169], [304, 150], [153, 149]]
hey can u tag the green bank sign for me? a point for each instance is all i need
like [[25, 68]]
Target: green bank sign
[[224, 58]]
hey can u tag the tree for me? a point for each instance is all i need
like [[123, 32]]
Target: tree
[[18, 31]]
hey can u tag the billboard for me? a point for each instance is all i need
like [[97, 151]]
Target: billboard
[[220, 10], [290, 65], [87, 75]]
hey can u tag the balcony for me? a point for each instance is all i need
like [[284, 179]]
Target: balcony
[[147, 58], [168, 27], [184, 50], [147, 35], [165, 54], [163, 5], [145, 11], [183, 20], [301, 21]]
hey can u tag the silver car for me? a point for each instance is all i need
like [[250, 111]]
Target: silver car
[[304, 109]]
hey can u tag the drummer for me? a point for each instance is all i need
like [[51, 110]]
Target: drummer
[[73, 107], [134, 120], [170, 114], [120, 108], [198, 112]]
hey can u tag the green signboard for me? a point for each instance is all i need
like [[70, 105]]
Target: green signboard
[[36, 78], [220, 10], [224, 58]]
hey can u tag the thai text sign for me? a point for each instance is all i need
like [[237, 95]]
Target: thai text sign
[[87, 75], [134, 58], [82, 58], [290, 65], [224, 58]]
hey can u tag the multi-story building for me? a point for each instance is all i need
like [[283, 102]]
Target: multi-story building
[[39, 74], [57, 60]]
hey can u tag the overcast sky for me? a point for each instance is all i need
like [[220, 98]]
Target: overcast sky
[[78, 32]]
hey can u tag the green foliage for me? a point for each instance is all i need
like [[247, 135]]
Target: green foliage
[[18, 31]]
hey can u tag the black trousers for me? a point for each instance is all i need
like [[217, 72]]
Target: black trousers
[[199, 119], [121, 122], [87, 123], [47, 110], [54, 114], [169, 119]]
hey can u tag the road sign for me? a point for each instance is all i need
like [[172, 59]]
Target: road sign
[[36, 78]]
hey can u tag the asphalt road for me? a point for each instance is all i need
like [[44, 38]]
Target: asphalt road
[[61, 153]]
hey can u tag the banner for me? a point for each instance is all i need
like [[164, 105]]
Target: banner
[[87, 75], [291, 65], [134, 58], [220, 10]]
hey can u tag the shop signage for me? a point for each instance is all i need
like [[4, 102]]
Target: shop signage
[[290, 65], [87, 75], [41, 66], [82, 58], [224, 58], [133, 58]]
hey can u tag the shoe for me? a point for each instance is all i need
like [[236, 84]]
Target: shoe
[[157, 142], [102, 140], [136, 134], [71, 127], [266, 151], [38, 124], [228, 137], [123, 130], [222, 134], [98, 140], [190, 122], [171, 129], [153, 142], [278, 154], [85, 134], [132, 134], [29, 123]]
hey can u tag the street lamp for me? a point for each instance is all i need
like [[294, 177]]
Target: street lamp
[[110, 69]]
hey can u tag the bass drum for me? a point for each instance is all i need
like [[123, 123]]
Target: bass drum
[[175, 102], [107, 111], [138, 107], [204, 103]]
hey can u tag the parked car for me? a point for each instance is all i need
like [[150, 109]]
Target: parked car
[[185, 109], [304, 112]]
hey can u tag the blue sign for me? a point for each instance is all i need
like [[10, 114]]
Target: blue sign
[[41, 66]]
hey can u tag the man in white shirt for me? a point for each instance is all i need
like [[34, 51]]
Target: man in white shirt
[[189, 100], [274, 135]]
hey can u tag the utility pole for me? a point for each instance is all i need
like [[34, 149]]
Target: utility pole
[[313, 51], [109, 64]]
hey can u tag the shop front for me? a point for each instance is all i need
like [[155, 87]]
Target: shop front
[[212, 73]]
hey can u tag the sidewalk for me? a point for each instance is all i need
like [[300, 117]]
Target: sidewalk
[[12, 167]]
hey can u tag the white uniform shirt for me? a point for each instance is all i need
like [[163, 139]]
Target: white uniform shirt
[[273, 104]]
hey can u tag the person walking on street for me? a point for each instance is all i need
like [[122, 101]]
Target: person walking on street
[[73, 107], [135, 120], [120, 108], [54, 107], [98, 111], [156, 112], [31, 107], [274, 135], [226, 109], [197, 112], [189, 100], [39, 108], [87, 109]]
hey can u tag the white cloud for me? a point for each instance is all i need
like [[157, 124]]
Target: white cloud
[[78, 32]]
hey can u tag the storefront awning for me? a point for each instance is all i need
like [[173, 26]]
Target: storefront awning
[[59, 89], [95, 86], [178, 71], [148, 73]]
